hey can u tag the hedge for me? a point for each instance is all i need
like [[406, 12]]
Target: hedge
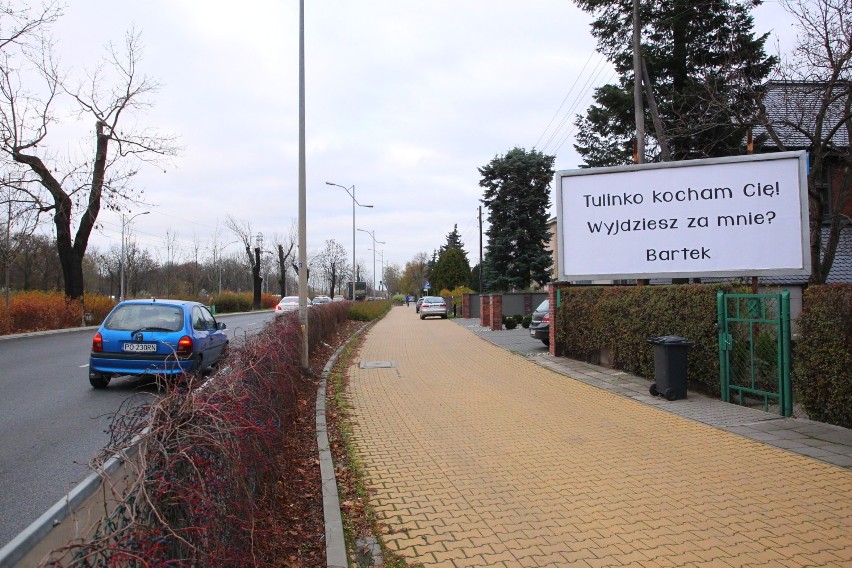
[[822, 367], [621, 319]]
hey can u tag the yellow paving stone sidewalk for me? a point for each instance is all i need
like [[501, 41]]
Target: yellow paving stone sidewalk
[[477, 457]]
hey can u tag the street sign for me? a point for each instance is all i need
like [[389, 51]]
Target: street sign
[[426, 286]]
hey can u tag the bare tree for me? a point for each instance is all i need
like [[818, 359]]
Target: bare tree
[[284, 246], [810, 107], [243, 231], [31, 85], [331, 263]]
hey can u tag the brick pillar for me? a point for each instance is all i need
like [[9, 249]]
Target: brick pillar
[[551, 296], [465, 306], [528, 307], [496, 312], [484, 310]]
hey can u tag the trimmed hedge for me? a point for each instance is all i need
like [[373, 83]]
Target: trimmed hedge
[[622, 319], [36, 310], [822, 364], [229, 302], [368, 311]]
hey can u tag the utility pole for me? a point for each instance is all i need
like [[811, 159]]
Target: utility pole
[[480, 249]]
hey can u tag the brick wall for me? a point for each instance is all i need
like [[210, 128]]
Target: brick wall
[[484, 310], [496, 312]]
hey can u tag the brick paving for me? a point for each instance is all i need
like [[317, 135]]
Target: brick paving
[[477, 456]]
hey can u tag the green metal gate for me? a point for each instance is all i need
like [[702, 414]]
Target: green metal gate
[[754, 349]]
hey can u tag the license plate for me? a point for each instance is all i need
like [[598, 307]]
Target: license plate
[[532, 334], [140, 347]]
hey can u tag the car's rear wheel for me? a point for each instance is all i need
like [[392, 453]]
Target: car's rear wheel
[[99, 380], [196, 366], [546, 342]]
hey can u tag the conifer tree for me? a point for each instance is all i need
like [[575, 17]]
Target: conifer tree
[[705, 68], [517, 195]]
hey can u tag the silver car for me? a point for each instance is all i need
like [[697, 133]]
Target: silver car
[[433, 306]]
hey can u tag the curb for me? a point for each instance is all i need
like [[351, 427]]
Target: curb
[[335, 541]]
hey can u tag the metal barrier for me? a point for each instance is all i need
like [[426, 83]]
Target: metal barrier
[[754, 348]]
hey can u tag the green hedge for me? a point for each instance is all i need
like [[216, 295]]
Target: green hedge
[[368, 311], [822, 369], [622, 319]]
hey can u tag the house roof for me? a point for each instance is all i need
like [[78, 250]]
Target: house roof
[[792, 108]]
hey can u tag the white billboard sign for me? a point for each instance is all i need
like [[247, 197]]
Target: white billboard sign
[[741, 216]]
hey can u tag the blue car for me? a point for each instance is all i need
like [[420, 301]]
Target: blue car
[[156, 337]]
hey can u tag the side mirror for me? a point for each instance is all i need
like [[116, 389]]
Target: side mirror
[[221, 325]]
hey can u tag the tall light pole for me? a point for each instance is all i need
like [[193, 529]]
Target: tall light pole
[[303, 199], [124, 222], [382, 264], [375, 242], [219, 264], [354, 203]]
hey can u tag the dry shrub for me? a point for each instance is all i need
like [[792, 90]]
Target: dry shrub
[[39, 311], [209, 474]]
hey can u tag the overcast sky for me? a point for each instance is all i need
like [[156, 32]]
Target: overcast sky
[[404, 100]]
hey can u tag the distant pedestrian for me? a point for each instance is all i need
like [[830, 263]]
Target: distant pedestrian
[[407, 300]]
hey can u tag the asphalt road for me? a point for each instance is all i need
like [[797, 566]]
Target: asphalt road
[[52, 422]]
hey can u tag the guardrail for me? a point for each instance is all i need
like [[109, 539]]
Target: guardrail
[[72, 517]]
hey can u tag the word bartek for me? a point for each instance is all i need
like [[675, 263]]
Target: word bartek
[[653, 255]]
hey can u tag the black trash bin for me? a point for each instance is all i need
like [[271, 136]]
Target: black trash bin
[[670, 353]]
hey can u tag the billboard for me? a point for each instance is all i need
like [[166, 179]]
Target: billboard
[[740, 216]]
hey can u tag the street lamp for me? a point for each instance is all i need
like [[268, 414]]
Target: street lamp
[[354, 203], [124, 222], [221, 250], [382, 264], [375, 242]]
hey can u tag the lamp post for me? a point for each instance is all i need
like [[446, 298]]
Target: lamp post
[[124, 222], [375, 242], [354, 203], [382, 264], [221, 250]]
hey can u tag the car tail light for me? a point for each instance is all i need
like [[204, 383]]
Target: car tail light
[[184, 346], [97, 343], [545, 318]]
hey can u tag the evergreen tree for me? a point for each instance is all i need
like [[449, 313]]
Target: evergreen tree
[[517, 195], [705, 67], [454, 240], [451, 270], [474, 279]]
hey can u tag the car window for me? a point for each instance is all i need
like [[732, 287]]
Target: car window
[[198, 321], [543, 307], [209, 320], [131, 317]]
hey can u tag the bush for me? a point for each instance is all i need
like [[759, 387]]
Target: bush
[[822, 370], [518, 318], [527, 321], [212, 460], [510, 323], [368, 311], [39, 311], [622, 318]]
